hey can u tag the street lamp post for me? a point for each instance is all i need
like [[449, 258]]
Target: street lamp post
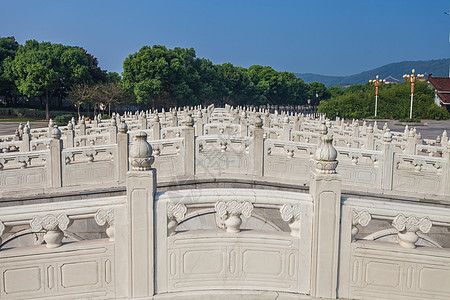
[[376, 83], [412, 78]]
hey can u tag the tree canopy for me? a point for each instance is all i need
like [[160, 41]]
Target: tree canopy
[[46, 69], [174, 77], [358, 102]]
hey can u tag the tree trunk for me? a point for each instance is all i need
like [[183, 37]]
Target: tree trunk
[[78, 107], [47, 112], [109, 109]]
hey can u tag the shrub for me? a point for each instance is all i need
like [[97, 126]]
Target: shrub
[[62, 120], [437, 113], [413, 120]]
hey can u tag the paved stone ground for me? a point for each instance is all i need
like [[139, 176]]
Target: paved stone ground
[[10, 127], [429, 130]]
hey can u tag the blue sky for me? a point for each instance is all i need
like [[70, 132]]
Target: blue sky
[[323, 37]]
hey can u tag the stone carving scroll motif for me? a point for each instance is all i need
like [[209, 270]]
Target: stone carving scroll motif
[[362, 218], [407, 228], [2, 230], [292, 214], [231, 212], [175, 214], [53, 225], [102, 217]]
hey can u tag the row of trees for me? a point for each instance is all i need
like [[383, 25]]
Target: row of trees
[[358, 102], [152, 77], [49, 71], [159, 77], [165, 77]]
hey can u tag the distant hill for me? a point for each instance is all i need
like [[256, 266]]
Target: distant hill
[[437, 67]]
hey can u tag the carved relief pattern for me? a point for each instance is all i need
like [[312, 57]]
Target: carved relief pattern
[[412, 223], [50, 222], [102, 217], [234, 207], [289, 212], [175, 213], [231, 212], [2, 229], [362, 218], [292, 214], [408, 226]]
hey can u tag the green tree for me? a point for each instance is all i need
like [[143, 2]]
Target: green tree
[[317, 92], [8, 49], [46, 69], [161, 76]]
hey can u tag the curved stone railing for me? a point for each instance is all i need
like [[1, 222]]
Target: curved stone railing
[[274, 154], [205, 241]]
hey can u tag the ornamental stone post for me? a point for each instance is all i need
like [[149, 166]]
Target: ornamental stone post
[[113, 131], [411, 143], [325, 189], [141, 189], [199, 123], [50, 127], [82, 131], [143, 121], [122, 152], [26, 137], [54, 159], [174, 118], [157, 127], [243, 123], [370, 142], [70, 135], [446, 155], [189, 146], [258, 147], [388, 160]]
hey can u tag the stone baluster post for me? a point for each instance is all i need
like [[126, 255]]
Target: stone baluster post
[[26, 137], [96, 121], [141, 189], [50, 128], [296, 123], [243, 123], [258, 147], [370, 142], [163, 115], [54, 159], [189, 146], [113, 131], [286, 128], [156, 128], [266, 121], [411, 143], [70, 135], [174, 118], [82, 131], [122, 152], [199, 123], [355, 137], [325, 189], [143, 121], [21, 127], [388, 160]]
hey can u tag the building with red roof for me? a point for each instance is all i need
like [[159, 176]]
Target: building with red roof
[[441, 86]]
